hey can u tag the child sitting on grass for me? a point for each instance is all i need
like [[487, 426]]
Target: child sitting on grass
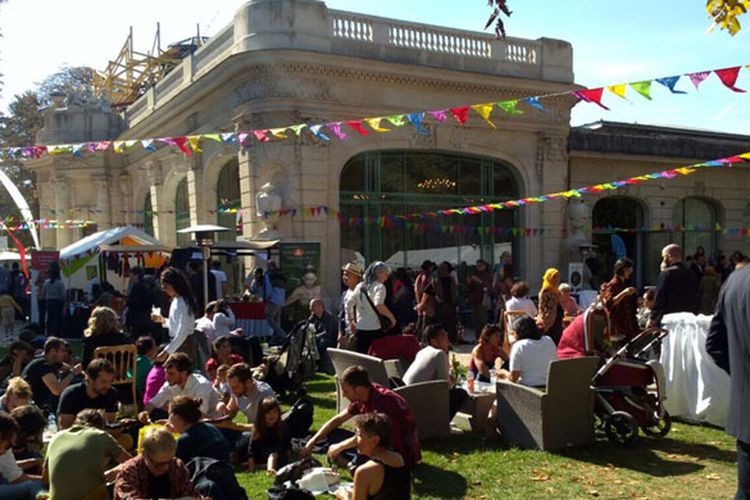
[[270, 441]]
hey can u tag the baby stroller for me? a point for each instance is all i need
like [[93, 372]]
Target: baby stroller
[[297, 360], [624, 402]]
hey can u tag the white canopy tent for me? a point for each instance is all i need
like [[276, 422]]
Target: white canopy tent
[[6, 255], [75, 257]]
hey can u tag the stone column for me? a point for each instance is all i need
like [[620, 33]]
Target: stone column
[[552, 169], [248, 185], [47, 237], [62, 205], [125, 215], [164, 228], [102, 215], [196, 195]]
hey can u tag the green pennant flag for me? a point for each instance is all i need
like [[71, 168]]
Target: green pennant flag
[[510, 107], [643, 88], [213, 137], [396, 120]]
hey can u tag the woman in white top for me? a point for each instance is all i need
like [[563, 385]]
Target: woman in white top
[[223, 319], [366, 325], [530, 356], [181, 321]]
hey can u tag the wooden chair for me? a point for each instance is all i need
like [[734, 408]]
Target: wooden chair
[[508, 318], [123, 358]]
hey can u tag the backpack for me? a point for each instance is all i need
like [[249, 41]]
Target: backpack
[[292, 493], [215, 479], [299, 418], [294, 471]]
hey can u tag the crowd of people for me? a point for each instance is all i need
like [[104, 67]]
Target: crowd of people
[[185, 412]]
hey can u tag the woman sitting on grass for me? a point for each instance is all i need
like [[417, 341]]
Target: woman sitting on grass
[[384, 476], [271, 442], [197, 439], [485, 353]]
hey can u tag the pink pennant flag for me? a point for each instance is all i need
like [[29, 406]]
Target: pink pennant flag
[[261, 135], [440, 114], [698, 78], [357, 126], [335, 127], [592, 95], [461, 114], [728, 77], [102, 145]]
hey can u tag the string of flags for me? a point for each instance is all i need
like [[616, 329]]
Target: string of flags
[[343, 130], [395, 220]]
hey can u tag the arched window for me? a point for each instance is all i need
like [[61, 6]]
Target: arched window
[[228, 197], [617, 221], [699, 218], [392, 183], [148, 216], [182, 212]]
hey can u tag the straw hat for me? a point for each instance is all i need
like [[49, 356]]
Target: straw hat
[[353, 268]]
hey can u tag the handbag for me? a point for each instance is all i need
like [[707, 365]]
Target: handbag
[[385, 322]]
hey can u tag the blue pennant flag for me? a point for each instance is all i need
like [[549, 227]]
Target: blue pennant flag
[[416, 119], [534, 102], [670, 82], [315, 129]]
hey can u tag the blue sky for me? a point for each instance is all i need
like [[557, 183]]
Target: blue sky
[[613, 42]]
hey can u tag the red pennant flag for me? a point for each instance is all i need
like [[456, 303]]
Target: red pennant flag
[[261, 135], [357, 126], [728, 77], [591, 95], [461, 114], [181, 142]]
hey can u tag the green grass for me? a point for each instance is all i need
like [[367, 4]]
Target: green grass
[[691, 462]]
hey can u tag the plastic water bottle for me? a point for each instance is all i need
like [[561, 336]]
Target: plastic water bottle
[[470, 382], [52, 424]]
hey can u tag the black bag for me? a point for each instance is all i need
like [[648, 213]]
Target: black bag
[[385, 322], [215, 479], [295, 470], [299, 418], [293, 493]]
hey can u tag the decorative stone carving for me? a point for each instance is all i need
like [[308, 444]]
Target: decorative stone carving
[[268, 203], [578, 244], [417, 140], [458, 138]]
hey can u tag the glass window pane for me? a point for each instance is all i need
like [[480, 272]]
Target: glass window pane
[[392, 172], [352, 235], [353, 175], [504, 185], [470, 181], [428, 173], [697, 213]]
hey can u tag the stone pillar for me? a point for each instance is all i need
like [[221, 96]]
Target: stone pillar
[[248, 186], [164, 228], [62, 205], [196, 195], [47, 237], [102, 217], [552, 169], [126, 216]]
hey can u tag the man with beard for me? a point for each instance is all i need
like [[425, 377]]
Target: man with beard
[[96, 392]]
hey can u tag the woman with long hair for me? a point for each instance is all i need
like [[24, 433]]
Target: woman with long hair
[[368, 305], [550, 317], [103, 330], [54, 299], [270, 444], [221, 354], [486, 352], [197, 439], [530, 355], [182, 311]]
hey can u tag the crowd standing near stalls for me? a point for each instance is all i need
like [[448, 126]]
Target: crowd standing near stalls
[[186, 403]]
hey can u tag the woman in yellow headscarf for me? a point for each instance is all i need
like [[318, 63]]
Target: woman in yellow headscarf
[[550, 317]]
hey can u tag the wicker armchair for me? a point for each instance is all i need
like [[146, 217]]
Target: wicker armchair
[[562, 416]]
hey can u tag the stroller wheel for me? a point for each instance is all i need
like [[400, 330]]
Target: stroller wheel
[[622, 428], [660, 428]]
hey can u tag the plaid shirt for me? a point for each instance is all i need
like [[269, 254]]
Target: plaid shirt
[[133, 480]]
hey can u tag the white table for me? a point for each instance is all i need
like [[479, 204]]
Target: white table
[[696, 388]]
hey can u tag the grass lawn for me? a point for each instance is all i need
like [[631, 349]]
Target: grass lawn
[[691, 462]]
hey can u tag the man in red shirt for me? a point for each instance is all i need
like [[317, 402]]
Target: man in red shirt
[[367, 397]]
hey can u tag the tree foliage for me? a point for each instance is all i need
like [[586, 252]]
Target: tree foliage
[[725, 13]]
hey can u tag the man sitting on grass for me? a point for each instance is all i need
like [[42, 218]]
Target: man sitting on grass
[[96, 392], [367, 397], [181, 382]]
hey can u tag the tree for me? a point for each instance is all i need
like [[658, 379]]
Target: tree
[[725, 13]]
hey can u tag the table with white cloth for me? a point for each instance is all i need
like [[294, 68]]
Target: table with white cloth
[[251, 317], [696, 389]]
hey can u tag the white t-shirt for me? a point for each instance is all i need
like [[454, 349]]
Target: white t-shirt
[[367, 318], [181, 323], [224, 323], [523, 304], [249, 405], [196, 387], [9, 469], [206, 326], [532, 358], [221, 278]]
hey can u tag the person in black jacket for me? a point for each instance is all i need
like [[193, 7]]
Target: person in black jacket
[[677, 289], [139, 303], [728, 344]]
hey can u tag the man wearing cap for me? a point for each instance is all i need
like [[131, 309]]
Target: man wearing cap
[[351, 276]]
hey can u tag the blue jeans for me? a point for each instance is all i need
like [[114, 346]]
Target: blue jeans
[[25, 490], [743, 471]]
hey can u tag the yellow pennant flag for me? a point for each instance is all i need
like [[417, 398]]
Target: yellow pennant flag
[[375, 124], [117, 146], [278, 132], [485, 110], [194, 141], [618, 90]]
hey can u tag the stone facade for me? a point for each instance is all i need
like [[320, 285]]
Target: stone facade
[[290, 61]]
